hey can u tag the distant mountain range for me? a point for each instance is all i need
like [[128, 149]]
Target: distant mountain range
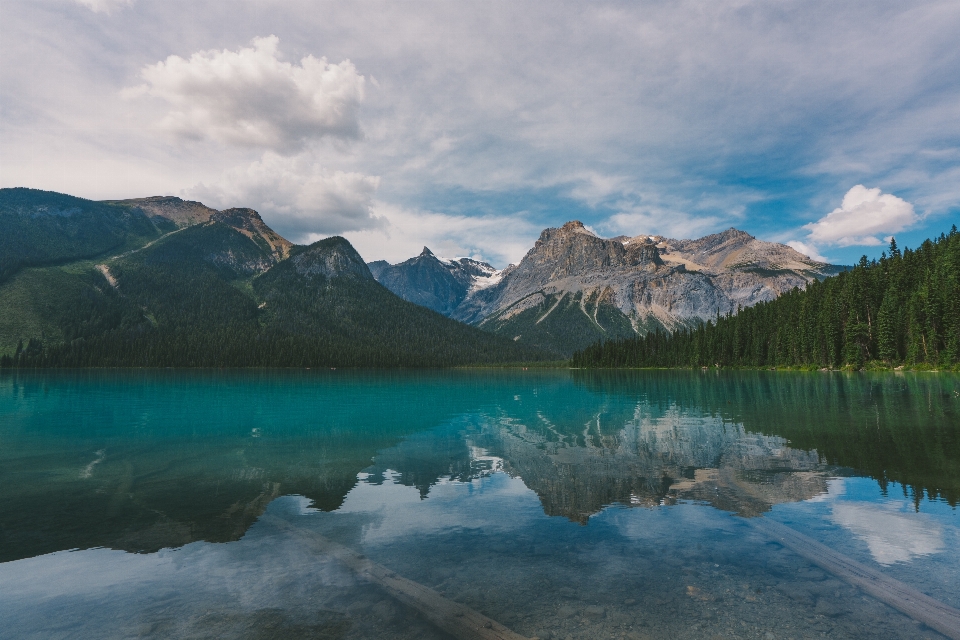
[[162, 281], [166, 282], [574, 288]]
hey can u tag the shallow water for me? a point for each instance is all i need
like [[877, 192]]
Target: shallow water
[[559, 504]]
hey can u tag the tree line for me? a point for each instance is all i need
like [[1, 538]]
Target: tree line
[[903, 309]]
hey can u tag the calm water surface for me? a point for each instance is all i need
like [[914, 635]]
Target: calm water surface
[[559, 504]]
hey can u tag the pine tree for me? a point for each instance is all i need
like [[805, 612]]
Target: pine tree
[[888, 329]]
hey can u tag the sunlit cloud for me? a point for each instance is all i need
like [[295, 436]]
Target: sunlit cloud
[[659, 221], [808, 250], [863, 214], [251, 97]]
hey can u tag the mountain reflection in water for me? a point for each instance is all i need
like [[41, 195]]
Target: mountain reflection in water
[[149, 460]]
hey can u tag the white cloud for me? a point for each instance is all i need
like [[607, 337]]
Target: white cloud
[[252, 98], [593, 188], [104, 6], [296, 195], [659, 221], [498, 239], [863, 214], [808, 250]]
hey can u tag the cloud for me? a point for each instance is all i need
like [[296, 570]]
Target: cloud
[[658, 211], [498, 239], [659, 221], [808, 250], [296, 195], [104, 6], [477, 100], [594, 188], [252, 98], [862, 215]]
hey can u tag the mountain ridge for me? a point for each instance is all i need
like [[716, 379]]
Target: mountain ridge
[[573, 288], [217, 289]]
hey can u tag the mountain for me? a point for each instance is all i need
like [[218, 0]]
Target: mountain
[[223, 291], [903, 309], [440, 284], [43, 227], [182, 213], [250, 224], [574, 288]]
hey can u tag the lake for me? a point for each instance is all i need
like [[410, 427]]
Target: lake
[[479, 504]]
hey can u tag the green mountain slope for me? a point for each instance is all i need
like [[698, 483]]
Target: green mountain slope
[[35, 302], [43, 227], [229, 292]]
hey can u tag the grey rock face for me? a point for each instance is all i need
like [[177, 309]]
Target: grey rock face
[[569, 259], [331, 258], [377, 267], [653, 280]]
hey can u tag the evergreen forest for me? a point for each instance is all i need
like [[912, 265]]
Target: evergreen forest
[[900, 310]]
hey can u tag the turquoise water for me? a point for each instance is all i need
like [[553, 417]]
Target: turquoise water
[[559, 504]]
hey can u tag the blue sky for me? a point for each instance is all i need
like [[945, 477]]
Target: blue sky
[[471, 126]]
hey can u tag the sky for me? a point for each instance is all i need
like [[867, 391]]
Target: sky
[[469, 127]]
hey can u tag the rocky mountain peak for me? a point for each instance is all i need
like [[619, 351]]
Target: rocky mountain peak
[[437, 283], [573, 287], [249, 223], [239, 216], [569, 259], [726, 240], [332, 258], [733, 232], [575, 226], [573, 250], [183, 213], [735, 249]]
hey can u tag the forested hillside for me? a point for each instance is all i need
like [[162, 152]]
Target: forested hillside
[[188, 301], [903, 309], [43, 227], [216, 295]]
